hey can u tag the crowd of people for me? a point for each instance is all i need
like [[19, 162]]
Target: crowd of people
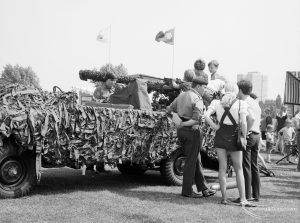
[[238, 132], [280, 133]]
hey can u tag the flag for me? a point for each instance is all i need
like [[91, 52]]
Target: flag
[[102, 36], [167, 37], [292, 89]]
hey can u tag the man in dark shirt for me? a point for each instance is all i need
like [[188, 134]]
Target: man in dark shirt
[[280, 123], [189, 107]]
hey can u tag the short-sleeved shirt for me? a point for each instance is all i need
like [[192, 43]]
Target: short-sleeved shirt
[[270, 137], [287, 134], [256, 111], [188, 105], [218, 108]]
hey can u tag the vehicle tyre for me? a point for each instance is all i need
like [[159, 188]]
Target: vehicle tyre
[[171, 169], [131, 169], [17, 171]]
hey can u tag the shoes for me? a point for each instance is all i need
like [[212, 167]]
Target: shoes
[[253, 199], [238, 200], [208, 192], [247, 204], [224, 202], [193, 195]]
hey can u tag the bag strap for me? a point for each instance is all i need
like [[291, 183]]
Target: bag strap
[[227, 113]]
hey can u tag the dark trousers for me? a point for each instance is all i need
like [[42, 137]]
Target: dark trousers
[[250, 167], [191, 141], [298, 146]]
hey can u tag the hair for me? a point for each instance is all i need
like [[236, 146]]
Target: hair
[[214, 62], [110, 75], [270, 127], [189, 75], [231, 91], [202, 64], [252, 95], [245, 86]]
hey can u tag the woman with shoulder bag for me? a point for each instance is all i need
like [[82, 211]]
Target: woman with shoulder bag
[[230, 137]]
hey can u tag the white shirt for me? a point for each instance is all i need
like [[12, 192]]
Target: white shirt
[[256, 111], [216, 85], [287, 133], [217, 108]]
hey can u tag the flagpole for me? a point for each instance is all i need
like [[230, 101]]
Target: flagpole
[[173, 59], [109, 48]]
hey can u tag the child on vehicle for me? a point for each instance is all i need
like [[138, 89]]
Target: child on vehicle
[[287, 134], [270, 139]]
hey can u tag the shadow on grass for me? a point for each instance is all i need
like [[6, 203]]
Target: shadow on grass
[[65, 180], [286, 183]]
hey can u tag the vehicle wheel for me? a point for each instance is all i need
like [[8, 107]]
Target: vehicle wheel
[[172, 168], [131, 169], [17, 172]]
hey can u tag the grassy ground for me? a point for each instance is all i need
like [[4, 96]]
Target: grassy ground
[[66, 196]]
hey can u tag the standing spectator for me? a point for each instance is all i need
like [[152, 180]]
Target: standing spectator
[[250, 155], [270, 138], [229, 111], [281, 117], [265, 122], [189, 107], [287, 134], [261, 143]]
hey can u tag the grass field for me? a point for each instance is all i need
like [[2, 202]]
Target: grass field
[[64, 195]]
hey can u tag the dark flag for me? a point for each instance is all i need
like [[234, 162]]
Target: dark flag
[[292, 89]]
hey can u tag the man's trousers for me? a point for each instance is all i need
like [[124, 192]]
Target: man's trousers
[[193, 172]]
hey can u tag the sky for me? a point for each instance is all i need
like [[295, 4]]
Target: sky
[[57, 38]]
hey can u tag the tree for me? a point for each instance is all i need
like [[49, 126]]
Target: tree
[[278, 101], [119, 70], [21, 75]]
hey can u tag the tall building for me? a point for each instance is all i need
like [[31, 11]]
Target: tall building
[[259, 82]]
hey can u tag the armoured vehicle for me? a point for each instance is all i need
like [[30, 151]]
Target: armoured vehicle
[[51, 129]]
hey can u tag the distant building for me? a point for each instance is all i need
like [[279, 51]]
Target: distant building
[[259, 82]]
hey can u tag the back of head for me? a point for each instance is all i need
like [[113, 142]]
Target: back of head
[[199, 64], [231, 91], [245, 86], [189, 75]]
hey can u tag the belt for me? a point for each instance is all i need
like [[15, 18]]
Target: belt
[[184, 119], [253, 132]]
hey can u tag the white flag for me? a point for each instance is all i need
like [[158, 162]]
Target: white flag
[[102, 36], [166, 37]]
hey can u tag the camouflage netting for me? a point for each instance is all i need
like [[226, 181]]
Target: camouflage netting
[[54, 124]]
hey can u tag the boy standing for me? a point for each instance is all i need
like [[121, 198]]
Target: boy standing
[[287, 134], [270, 139]]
